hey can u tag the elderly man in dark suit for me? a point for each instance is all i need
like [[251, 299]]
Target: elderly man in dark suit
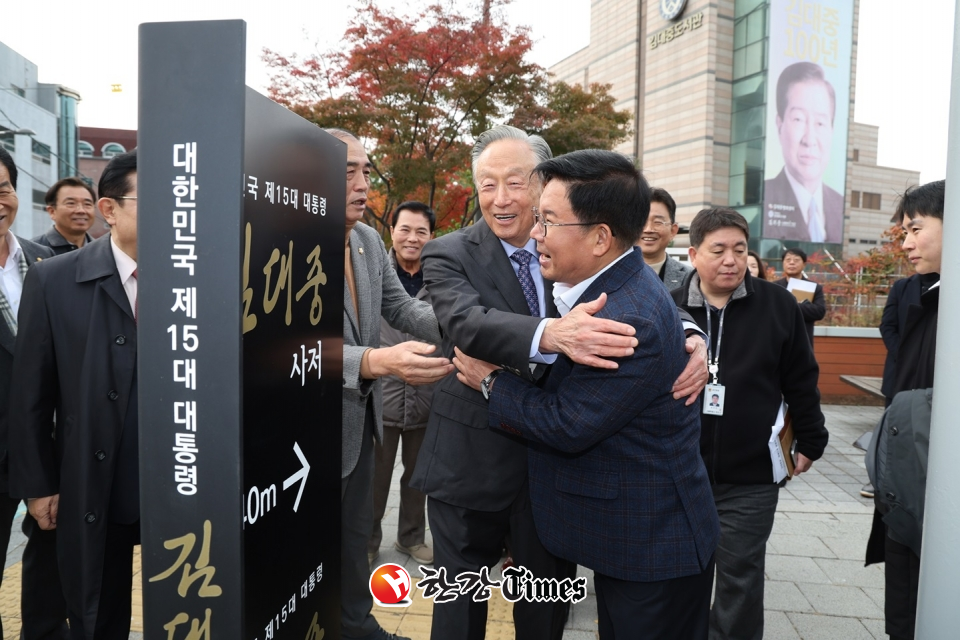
[[616, 483], [76, 357], [492, 301], [372, 289], [797, 205], [43, 611]]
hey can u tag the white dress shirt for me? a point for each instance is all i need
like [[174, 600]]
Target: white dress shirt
[[10, 280], [566, 295], [126, 266]]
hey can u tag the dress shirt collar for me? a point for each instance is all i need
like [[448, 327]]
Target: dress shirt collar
[[531, 246], [13, 260], [566, 296], [125, 264]]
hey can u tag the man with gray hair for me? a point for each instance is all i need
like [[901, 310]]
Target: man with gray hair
[[492, 302], [371, 290]]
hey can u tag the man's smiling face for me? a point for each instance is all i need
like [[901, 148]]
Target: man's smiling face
[[8, 201], [507, 190]]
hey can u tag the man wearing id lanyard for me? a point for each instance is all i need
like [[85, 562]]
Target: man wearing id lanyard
[[758, 356]]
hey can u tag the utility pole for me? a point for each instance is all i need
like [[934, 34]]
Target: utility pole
[[938, 615]]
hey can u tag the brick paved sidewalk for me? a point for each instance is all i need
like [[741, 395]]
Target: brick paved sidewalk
[[816, 588]]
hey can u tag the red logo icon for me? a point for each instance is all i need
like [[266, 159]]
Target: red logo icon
[[390, 585]]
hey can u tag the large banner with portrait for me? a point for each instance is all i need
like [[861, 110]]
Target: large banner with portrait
[[807, 119]]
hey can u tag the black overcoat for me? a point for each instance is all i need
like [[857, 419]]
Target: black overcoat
[[76, 354]]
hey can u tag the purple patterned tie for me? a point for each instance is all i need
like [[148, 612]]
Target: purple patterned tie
[[523, 257]]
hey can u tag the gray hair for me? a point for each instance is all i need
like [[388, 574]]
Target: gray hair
[[341, 134], [537, 144]]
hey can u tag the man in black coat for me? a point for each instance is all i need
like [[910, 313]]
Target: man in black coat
[[794, 260], [920, 211], [76, 357], [904, 294], [760, 356], [43, 611]]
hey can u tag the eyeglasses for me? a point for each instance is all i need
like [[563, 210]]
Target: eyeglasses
[[659, 225], [543, 224], [125, 197]]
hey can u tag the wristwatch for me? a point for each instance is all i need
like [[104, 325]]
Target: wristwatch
[[486, 382]]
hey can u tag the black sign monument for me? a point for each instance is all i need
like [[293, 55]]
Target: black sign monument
[[240, 311]]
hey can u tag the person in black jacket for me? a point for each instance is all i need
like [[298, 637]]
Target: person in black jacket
[[920, 211], [794, 260], [759, 355]]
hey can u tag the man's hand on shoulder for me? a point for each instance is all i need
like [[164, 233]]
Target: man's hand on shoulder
[[587, 340], [694, 376], [44, 511], [409, 361]]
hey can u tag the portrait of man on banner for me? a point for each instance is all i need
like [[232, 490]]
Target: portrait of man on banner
[[798, 204]]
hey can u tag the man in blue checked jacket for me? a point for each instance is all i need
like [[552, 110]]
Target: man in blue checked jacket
[[617, 482]]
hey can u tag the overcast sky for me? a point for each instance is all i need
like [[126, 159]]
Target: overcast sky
[[903, 75]]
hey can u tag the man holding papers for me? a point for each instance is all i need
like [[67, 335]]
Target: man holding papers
[[758, 358], [808, 293]]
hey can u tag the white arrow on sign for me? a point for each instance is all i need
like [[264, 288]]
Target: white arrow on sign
[[300, 476]]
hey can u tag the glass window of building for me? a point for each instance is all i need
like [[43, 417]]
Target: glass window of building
[[85, 149], [41, 152], [112, 149]]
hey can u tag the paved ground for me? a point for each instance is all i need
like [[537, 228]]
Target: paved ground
[[817, 586]]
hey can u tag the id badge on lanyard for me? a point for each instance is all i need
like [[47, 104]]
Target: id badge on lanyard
[[714, 392]]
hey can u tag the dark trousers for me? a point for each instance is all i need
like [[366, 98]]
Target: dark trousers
[[746, 520], [356, 522], [674, 609], [113, 608], [43, 609], [901, 581], [466, 540], [413, 520]]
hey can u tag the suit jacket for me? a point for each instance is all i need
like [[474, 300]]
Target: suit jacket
[[33, 253], [811, 311], [790, 224], [617, 483], [481, 309], [379, 293], [76, 354], [903, 293], [673, 272], [55, 240]]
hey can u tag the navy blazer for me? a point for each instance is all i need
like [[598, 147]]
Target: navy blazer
[[617, 483]]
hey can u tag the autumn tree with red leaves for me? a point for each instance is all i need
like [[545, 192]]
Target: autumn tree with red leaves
[[415, 89], [419, 89]]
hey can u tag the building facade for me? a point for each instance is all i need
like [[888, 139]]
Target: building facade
[[38, 126], [696, 76]]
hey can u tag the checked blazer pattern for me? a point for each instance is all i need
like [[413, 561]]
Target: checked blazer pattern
[[617, 482]]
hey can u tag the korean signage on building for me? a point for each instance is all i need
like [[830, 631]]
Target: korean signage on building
[[808, 103], [241, 230]]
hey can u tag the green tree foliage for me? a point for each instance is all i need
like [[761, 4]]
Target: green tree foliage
[[575, 118]]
